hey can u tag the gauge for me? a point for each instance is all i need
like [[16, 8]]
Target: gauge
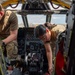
[[31, 47]]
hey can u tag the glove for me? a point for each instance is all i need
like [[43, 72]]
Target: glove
[[3, 47], [2, 44]]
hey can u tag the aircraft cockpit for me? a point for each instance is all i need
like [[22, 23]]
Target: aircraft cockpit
[[36, 13], [31, 49]]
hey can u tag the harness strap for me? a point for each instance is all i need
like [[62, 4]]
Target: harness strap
[[7, 15]]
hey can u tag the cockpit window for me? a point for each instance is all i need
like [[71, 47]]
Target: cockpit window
[[20, 21], [58, 19], [34, 20]]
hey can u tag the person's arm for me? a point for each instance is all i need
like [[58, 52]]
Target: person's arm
[[49, 56], [13, 28], [11, 37]]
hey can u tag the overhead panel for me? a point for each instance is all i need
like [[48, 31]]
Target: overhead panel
[[7, 2], [67, 1], [63, 3], [2, 1]]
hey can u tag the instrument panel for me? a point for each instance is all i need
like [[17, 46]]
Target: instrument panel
[[34, 46], [27, 42], [30, 47]]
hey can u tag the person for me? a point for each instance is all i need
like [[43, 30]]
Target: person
[[48, 35], [8, 32]]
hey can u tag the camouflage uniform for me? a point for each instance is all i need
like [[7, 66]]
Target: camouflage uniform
[[9, 23]]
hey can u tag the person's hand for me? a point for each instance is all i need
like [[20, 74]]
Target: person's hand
[[50, 70], [3, 48], [2, 43]]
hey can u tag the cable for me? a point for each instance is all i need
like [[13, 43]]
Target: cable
[[53, 6], [14, 6]]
